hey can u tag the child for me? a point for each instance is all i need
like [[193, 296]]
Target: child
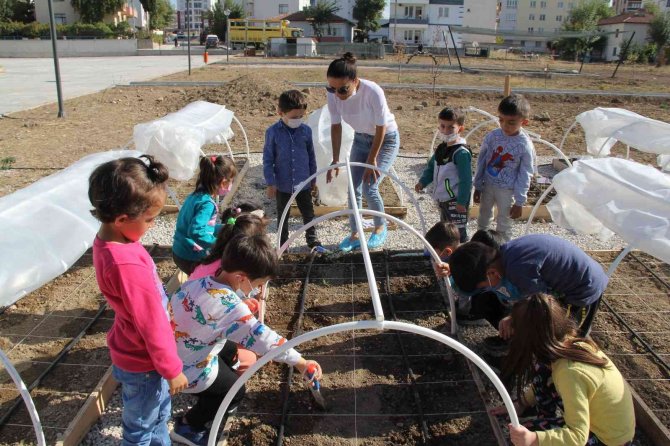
[[444, 238], [505, 167], [127, 195], [450, 169], [489, 237], [566, 373], [196, 223], [288, 160], [208, 312], [535, 263]]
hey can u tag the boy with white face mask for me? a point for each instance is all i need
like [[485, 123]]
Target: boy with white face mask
[[450, 169], [288, 160]]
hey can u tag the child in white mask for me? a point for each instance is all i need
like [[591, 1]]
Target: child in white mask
[[450, 170]]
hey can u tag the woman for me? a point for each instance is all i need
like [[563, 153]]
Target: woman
[[362, 104], [566, 373]]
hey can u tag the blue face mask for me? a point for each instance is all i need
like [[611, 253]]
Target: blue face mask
[[505, 290]]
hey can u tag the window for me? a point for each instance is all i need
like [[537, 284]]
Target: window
[[332, 32], [540, 30], [412, 35], [511, 4], [283, 8], [614, 51], [531, 16], [559, 18], [616, 34], [444, 11], [531, 29], [419, 12], [571, 5], [559, 5], [61, 19], [538, 44], [533, 4], [543, 4], [667, 4], [197, 5], [409, 12], [542, 17]]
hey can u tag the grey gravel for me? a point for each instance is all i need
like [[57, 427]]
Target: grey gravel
[[107, 431]]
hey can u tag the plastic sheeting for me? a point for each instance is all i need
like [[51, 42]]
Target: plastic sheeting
[[603, 127], [335, 192], [47, 226], [176, 139], [611, 195]]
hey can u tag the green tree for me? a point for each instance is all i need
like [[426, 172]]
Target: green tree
[[652, 7], [92, 11], [17, 11], [367, 14], [659, 34], [584, 18], [321, 14], [217, 19]]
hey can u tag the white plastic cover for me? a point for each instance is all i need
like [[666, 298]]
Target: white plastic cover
[[612, 195], [335, 192], [176, 139], [603, 127], [47, 226]]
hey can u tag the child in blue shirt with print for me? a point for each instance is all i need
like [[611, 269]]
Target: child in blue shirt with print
[[196, 223], [288, 160], [504, 167]]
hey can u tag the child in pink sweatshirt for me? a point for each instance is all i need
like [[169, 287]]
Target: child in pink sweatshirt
[[127, 195]]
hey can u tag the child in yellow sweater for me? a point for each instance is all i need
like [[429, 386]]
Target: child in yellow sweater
[[580, 396]]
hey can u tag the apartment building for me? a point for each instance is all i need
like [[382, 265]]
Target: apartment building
[[268, 9], [623, 26], [64, 14], [197, 10], [536, 19], [623, 6]]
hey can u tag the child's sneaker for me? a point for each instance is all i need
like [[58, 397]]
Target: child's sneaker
[[185, 434], [496, 346], [317, 247]]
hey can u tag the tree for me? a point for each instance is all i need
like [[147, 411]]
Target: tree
[[92, 11], [659, 33], [367, 13], [160, 12], [321, 14], [584, 18], [217, 19], [22, 11], [652, 8]]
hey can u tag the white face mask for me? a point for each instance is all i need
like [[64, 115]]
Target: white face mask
[[293, 123], [450, 138], [253, 293]]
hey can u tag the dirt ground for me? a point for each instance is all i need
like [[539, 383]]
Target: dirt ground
[[38, 141]]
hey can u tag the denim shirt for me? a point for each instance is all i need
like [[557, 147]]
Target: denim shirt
[[288, 156]]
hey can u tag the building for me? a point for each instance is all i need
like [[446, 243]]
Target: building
[[623, 26], [64, 14], [338, 29], [270, 9], [534, 20], [621, 6], [198, 10], [426, 22]]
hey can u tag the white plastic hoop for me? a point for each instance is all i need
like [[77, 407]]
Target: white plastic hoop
[[25, 394], [362, 325]]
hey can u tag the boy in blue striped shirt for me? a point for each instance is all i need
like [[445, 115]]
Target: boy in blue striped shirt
[[288, 160]]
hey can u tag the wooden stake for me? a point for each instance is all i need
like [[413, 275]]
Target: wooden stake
[[508, 86]]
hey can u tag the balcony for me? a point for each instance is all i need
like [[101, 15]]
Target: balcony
[[409, 21]]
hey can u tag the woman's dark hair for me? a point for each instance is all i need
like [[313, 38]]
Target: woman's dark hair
[[127, 186], [543, 332], [343, 68], [469, 263], [489, 237], [213, 170], [245, 224], [253, 255]]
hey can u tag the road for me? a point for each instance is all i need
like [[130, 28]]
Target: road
[[29, 83]]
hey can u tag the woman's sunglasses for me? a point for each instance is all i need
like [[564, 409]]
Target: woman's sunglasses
[[341, 90]]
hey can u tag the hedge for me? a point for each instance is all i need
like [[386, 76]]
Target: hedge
[[35, 30]]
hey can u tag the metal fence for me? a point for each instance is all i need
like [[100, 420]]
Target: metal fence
[[328, 49]]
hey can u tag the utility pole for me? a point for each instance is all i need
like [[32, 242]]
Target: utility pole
[[226, 12], [188, 33], [395, 20], [59, 92]]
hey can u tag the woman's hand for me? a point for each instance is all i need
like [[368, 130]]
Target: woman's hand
[[371, 175], [521, 436], [329, 174]]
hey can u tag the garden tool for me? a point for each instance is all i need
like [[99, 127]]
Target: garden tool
[[315, 386]]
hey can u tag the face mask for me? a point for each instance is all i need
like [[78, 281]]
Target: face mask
[[253, 293], [450, 138], [293, 123], [224, 190], [506, 290]]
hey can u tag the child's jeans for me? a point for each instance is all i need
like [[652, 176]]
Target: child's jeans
[[385, 158], [548, 404], [449, 214], [146, 407], [503, 199]]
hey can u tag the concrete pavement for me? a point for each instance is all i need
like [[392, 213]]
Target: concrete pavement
[[29, 83]]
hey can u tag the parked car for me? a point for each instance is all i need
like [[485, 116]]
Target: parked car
[[212, 41]]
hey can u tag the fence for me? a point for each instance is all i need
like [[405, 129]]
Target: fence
[[327, 49]]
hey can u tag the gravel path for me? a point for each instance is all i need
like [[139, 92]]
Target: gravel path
[[108, 429]]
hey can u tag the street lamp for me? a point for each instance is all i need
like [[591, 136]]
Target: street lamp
[[188, 33], [226, 12]]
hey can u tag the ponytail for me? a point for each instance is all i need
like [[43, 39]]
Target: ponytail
[[343, 68]]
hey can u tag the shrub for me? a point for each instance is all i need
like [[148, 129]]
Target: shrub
[[11, 29]]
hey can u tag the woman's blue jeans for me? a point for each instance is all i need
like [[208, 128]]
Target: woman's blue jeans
[[385, 158]]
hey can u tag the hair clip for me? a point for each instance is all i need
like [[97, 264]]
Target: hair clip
[[231, 221], [213, 158], [238, 211]]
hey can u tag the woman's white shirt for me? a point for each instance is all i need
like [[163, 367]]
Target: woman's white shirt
[[364, 111]]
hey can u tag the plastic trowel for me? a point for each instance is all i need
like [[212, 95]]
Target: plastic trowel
[[315, 386]]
